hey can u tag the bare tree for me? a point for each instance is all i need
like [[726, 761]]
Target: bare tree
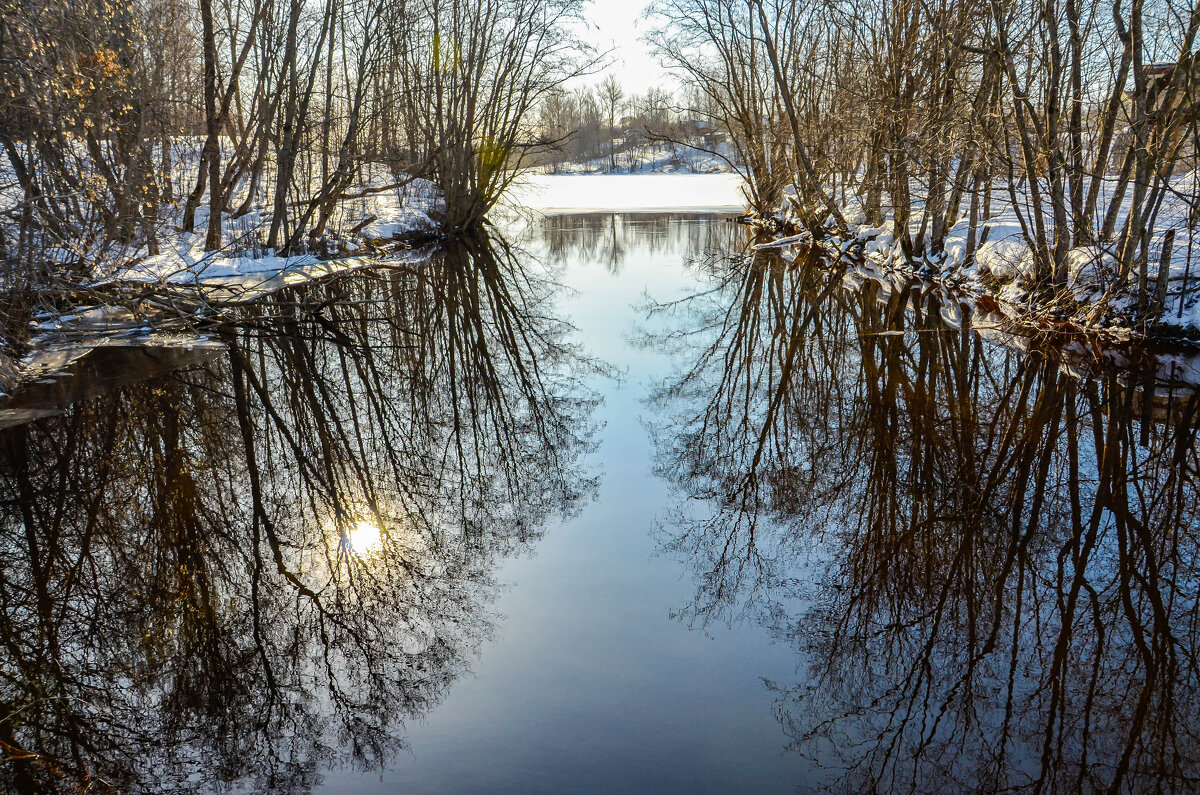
[[611, 94], [471, 76]]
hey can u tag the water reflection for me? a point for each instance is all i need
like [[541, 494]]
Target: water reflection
[[607, 237], [987, 565], [238, 573]]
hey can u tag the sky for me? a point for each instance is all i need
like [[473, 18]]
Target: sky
[[617, 25]]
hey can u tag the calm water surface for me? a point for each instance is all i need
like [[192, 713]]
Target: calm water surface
[[610, 506]]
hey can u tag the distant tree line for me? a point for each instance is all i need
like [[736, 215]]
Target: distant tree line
[[603, 128]]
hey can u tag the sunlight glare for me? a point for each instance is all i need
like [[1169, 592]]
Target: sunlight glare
[[364, 538]]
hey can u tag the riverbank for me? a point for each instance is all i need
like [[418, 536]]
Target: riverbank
[[991, 255], [167, 300]]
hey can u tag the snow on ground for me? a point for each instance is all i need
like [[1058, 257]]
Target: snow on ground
[[374, 214], [188, 262], [1173, 367], [1003, 264], [381, 205], [233, 286], [242, 270], [630, 193]]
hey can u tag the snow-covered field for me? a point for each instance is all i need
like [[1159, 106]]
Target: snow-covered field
[[629, 192]]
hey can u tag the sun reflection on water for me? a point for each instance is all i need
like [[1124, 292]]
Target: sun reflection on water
[[364, 538]]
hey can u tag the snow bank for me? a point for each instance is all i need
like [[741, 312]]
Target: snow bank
[[630, 193], [1003, 263], [375, 214], [61, 342], [188, 262], [1169, 367]]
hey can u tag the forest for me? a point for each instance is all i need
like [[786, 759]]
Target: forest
[[127, 123], [1045, 150], [603, 129]]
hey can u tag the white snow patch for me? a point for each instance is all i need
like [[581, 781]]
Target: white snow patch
[[190, 263], [630, 192]]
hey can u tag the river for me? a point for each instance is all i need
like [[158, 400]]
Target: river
[[606, 504]]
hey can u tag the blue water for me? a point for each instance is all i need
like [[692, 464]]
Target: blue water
[[591, 684], [602, 504]]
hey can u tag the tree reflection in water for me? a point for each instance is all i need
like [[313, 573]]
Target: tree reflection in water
[[605, 237], [989, 565], [186, 597]]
